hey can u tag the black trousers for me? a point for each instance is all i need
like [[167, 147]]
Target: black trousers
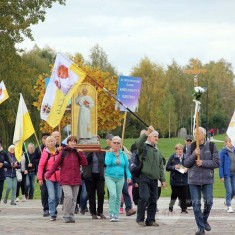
[[1, 188], [181, 193], [95, 186], [44, 197], [21, 185]]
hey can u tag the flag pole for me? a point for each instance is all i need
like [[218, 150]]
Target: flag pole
[[102, 86], [39, 146]]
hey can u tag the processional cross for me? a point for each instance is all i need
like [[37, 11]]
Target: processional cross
[[197, 95]]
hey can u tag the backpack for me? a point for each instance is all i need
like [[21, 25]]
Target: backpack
[[211, 146], [135, 163]]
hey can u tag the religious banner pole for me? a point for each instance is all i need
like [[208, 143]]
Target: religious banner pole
[[197, 95]]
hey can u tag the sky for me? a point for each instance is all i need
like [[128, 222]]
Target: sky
[[129, 30]]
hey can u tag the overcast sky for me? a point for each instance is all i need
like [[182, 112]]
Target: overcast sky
[[128, 30]]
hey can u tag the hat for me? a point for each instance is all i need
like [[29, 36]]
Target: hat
[[188, 137], [109, 137]]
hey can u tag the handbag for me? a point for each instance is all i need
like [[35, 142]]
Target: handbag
[[18, 175]]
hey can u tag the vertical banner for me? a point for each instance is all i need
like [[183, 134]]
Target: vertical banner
[[3, 92], [231, 129], [128, 92]]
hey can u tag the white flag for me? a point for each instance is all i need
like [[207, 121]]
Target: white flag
[[3, 92], [231, 129]]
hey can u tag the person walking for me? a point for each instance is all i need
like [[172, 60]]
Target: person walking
[[69, 161], [117, 164], [227, 171], [152, 171], [201, 177]]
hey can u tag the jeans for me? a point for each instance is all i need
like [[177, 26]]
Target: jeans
[[54, 194], [11, 185], [83, 197], [114, 186], [29, 188], [148, 193], [207, 192], [229, 184]]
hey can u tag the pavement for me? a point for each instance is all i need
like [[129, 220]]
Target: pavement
[[26, 218]]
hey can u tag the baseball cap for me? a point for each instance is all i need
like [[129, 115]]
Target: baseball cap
[[189, 137]]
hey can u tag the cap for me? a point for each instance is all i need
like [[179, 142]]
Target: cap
[[109, 136], [188, 137]]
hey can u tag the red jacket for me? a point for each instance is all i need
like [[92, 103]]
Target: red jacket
[[47, 164], [70, 166]]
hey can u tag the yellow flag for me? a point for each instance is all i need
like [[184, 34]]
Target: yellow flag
[[3, 92], [23, 128], [65, 80]]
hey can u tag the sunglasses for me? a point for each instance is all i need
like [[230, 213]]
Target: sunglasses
[[116, 143], [189, 141]]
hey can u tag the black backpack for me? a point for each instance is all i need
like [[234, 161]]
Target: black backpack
[[135, 163]]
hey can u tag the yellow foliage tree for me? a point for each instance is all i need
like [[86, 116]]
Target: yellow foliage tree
[[108, 117]]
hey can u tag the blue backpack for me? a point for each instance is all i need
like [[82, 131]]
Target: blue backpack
[[135, 163]]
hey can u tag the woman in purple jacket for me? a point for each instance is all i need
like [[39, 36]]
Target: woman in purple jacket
[[69, 160]]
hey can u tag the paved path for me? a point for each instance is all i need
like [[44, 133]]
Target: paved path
[[26, 219]]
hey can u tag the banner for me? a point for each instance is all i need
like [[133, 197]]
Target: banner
[[23, 128], [64, 81], [231, 129], [128, 92], [3, 92]]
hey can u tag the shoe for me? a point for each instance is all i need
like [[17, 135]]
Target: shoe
[[112, 218], [130, 212], [23, 198], [94, 217], [13, 203], [17, 199], [82, 212], [76, 210], [171, 209], [46, 213], [230, 209], [5, 200], [200, 232], [53, 218], [102, 216], [121, 211], [207, 227], [67, 220], [141, 223], [184, 212], [116, 218], [86, 210], [153, 224], [72, 220]]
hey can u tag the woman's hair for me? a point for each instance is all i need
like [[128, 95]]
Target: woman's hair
[[117, 138], [49, 138], [72, 138], [179, 146], [11, 147], [227, 139]]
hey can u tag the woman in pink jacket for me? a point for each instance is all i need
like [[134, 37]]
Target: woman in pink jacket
[[47, 160], [69, 160]]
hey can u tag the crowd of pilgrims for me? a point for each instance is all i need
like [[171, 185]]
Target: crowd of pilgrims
[[77, 180]]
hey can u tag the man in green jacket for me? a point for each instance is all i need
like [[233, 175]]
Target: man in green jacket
[[152, 171]]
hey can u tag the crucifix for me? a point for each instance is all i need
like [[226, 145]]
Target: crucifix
[[197, 94]]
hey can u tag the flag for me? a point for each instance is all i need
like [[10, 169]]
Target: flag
[[23, 128], [3, 92], [231, 129], [64, 81]]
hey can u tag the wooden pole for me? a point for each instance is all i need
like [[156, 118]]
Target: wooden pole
[[123, 129], [39, 146]]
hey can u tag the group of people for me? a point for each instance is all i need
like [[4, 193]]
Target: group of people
[[63, 168]]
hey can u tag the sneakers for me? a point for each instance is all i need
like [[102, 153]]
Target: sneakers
[[207, 227], [230, 209], [68, 220], [23, 198], [102, 216], [116, 218], [53, 218], [17, 199], [46, 213], [121, 211], [130, 212], [141, 223], [112, 218]]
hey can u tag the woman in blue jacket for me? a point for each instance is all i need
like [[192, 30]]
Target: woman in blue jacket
[[227, 171], [117, 164]]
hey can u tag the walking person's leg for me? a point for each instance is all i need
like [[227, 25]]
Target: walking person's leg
[[174, 195], [119, 187], [8, 189], [13, 192]]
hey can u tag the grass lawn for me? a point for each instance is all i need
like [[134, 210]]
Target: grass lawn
[[166, 146]]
